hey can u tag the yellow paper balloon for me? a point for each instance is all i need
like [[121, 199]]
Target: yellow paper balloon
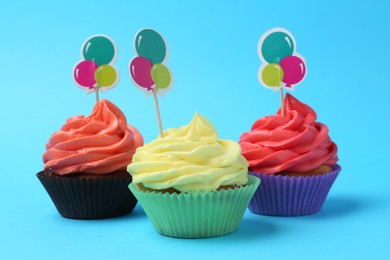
[[161, 76], [272, 75], [105, 75]]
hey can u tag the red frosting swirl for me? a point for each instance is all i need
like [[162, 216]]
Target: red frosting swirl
[[294, 142], [98, 144]]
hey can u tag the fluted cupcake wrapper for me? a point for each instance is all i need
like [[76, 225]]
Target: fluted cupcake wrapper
[[89, 198], [291, 196], [196, 214]]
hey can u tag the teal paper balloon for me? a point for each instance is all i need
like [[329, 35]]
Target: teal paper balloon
[[276, 46], [99, 49], [150, 45]]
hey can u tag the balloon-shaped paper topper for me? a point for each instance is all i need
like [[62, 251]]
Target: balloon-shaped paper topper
[[148, 70], [96, 71], [294, 70], [277, 45], [150, 44], [140, 69], [282, 66], [161, 76], [272, 75], [84, 73], [100, 49], [105, 76]]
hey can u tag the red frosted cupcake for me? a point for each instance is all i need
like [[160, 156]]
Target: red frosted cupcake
[[85, 164], [295, 159]]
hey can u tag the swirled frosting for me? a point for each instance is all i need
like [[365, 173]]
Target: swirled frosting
[[294, 142], [189, 159], [100, 143]]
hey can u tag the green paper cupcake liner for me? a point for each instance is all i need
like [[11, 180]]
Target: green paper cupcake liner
[[196, 214]]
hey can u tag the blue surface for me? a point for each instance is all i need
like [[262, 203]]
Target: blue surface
[[214, 61]]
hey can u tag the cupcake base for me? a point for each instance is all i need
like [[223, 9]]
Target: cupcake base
[[291, 196], [87, 196], [196, 214]]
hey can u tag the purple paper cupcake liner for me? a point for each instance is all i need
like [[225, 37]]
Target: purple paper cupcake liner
[[84, 197], [291, 196]]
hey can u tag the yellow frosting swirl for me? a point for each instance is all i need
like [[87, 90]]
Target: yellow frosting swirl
[[189, 159]]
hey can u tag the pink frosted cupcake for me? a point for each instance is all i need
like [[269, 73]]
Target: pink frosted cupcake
[[295, 159], [85, 164]]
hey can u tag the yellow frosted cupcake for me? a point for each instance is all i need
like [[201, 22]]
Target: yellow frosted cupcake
[[192, 184]]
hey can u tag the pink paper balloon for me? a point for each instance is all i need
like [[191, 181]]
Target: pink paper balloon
[[84, 73], [140, 68], [294, 69]]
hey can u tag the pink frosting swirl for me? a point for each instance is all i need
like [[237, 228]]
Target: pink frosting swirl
[[294, 142], [97, 144]]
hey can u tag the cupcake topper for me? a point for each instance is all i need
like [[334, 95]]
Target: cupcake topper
[[282, 67], [148, 70], [96, 70]]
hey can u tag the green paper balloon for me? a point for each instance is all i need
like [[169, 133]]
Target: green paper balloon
[[150, 44], [161, 76], [99, 49], [105, 76], [277, 46], [272, 75]]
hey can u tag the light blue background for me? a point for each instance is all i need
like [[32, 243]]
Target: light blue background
[[214, 61]]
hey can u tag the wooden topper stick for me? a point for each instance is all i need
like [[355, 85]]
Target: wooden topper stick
[[281, 100], [97, 93], [158, 111]]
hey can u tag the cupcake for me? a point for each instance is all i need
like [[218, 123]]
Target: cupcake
[[295, 159], [192, 184], [85, 164]]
